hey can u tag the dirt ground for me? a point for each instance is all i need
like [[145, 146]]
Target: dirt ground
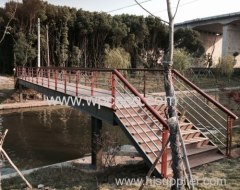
[[220, 175], [8, 93], [6, 87]]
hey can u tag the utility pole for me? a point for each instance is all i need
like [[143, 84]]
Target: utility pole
[[48, 56], [39, 46]]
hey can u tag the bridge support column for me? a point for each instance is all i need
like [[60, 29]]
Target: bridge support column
[[96, 143], [20, 93], [231, 40]]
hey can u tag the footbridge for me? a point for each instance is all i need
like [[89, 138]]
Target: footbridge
[[134, 100]]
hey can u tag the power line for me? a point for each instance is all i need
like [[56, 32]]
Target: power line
[[132, 5], [150, 12], [181, 5]]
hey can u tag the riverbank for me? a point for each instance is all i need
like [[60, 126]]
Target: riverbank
[[25, 104], [9, 96]]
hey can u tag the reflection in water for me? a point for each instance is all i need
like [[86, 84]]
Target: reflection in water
[[49, 135]]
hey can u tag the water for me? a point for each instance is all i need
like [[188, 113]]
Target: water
[[49, 135]]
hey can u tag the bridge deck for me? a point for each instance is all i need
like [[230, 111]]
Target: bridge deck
[[98, 96]]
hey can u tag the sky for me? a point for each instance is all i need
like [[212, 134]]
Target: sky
[[188, 9]]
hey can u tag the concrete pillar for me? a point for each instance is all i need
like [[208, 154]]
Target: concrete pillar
[[20, 93], [231, 40], [96, 143]]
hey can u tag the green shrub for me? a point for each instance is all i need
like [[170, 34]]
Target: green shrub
[[225, 65], [116, 58], [181, 60]]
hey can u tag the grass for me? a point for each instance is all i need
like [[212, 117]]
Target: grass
[[74, 178]]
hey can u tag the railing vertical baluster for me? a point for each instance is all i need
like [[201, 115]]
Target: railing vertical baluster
[[229, 136], [65, 80], [125, 76], [42, 75], [37, 74], [113, 85], [25, 73], [55, 78], [96, 76], [164, 156], [32, 74], [69, 75], [76, 83], [92, 82], [28, 69], [144, 83], [48, 76]]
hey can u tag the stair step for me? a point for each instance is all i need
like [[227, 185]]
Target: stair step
[[142, 122], [142, 128], [193, 154], [190, 134], [205, 157], [159, 108], [147, 137], [185, 125], [139, 114], [128, 111], [194, 143], [194, 162]]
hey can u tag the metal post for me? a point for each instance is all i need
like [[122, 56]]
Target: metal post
[[165, 153], [229, 136], [144, 83], [37, 74], [48, 72], [113, 91], [96, 143], [42, 75], [76, 83], [25, 73], [65, 81], [56, 74], [92, 83], [32, 74], [20, 93]]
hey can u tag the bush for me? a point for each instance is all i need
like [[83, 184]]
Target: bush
[[225, 65], [181, 60], [116, 58]]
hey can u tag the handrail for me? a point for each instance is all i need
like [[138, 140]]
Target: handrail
[[221, 107], [136, 93]]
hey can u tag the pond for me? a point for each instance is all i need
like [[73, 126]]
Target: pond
[[49, 135]]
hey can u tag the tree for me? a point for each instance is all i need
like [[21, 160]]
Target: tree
[[173, 122], [24, 51], [116, 58], [11, 14], [75, 56], [189, 40]]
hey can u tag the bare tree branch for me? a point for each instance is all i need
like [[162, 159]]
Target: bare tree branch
[[10, 20], [150, 12], [176, 9]]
